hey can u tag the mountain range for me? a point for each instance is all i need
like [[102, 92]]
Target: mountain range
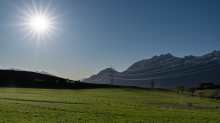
[[166, 70]]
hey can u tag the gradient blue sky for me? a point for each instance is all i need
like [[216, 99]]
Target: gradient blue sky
[[92, 35]]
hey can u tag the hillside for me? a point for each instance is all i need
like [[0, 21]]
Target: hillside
[[15, 78], [168, 71]]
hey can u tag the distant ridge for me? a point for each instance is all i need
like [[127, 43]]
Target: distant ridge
[[41, 72], [167, 71]]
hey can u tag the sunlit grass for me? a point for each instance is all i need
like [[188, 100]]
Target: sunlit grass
[[102, 105]]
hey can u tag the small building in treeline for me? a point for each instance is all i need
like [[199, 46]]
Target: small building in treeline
[[206, 85]]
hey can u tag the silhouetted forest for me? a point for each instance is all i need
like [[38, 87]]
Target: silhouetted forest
[[11, 78]]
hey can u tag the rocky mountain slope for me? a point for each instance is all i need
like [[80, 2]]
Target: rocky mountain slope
[[166, 70]]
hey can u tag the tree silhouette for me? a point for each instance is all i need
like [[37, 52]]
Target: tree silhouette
[[182, 88], [178, 88], [152, 83], [201, 94], [192, 90]]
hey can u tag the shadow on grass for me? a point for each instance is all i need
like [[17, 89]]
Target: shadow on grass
[[42, 101]]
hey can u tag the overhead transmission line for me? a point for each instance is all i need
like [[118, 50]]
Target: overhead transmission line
[[164, 76], [154, 71], [171, 75], [155, 64], [106, 81], [112, 76], [192, 71], [102, 76], [109, 74], [159, 70], [151, 66]]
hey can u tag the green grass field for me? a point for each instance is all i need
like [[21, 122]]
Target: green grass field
[[104, 105]]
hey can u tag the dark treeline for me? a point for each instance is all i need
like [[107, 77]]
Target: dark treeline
[[11, 78]]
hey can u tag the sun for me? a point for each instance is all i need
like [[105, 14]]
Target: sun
[[39, 23], [39, 20]]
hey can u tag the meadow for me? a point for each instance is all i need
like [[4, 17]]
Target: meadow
[[112, 105]]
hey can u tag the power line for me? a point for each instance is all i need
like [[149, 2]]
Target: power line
[[111, 75], [106, 81], [164, 76], [100, 77], [163, 63], [153, 72], [155, 64], [170, 75], [192, 71], [103, 76]]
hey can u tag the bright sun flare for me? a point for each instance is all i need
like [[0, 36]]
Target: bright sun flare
[[39, 23]]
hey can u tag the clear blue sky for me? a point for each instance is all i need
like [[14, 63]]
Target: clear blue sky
[[91, 35]]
